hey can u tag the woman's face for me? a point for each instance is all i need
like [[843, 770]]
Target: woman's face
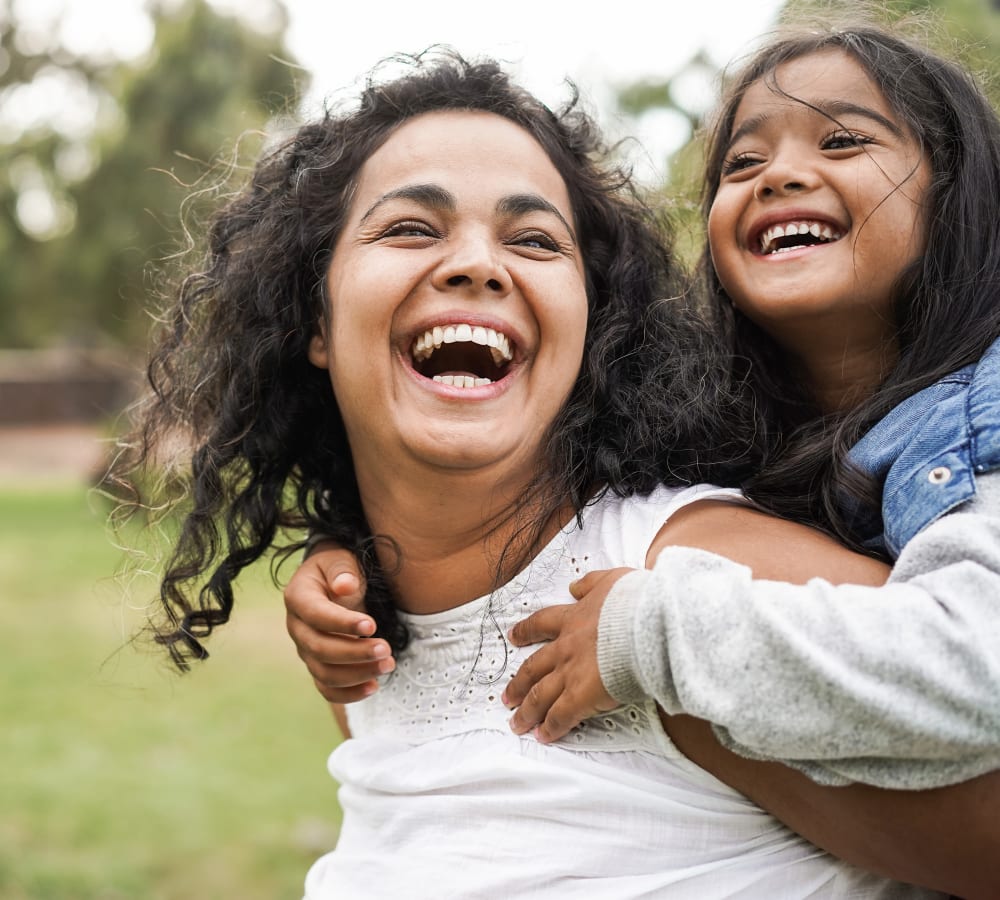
[[457, 306], [820, 205]]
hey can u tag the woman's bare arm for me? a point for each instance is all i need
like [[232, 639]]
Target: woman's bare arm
[[945, 838]]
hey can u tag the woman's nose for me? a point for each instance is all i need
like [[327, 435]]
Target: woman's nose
[[473, 262]]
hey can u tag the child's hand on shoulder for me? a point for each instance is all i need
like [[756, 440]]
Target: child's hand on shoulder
[[560, 685], [325, 617]]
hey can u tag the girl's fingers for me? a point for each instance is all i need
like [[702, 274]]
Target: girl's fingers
[[335, 649], [347, 694], [544, 625], [535, 706], [519, 689], [584, 585], [346, 676], [562, 717]]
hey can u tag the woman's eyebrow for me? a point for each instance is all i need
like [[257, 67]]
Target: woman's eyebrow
[[431, 195], [519, 204], [831, 109]]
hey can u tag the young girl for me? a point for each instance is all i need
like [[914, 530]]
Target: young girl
[[853, 221], [854, 239], [425, 327]]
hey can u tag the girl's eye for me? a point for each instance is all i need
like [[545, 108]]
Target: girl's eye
[[740, 161], [535, 240], [409, 228], [845, 140]]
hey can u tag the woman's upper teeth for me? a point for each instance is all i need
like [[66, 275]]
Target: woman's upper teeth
[[433, 338], [819, 230]]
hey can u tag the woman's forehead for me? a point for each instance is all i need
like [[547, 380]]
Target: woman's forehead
[[463, 150]]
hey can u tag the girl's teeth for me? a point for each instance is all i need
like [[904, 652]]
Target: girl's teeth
[[816, 229]]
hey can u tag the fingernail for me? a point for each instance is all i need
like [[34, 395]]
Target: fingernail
[[386, 665], [381, 651]]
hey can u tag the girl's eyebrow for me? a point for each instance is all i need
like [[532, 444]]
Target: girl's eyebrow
[[436, 197], [831, 109]]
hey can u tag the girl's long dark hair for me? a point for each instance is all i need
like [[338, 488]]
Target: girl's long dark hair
[[946, 305], [230, 377]]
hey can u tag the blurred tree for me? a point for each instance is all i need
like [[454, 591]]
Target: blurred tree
[[83, 217], [964, 30]]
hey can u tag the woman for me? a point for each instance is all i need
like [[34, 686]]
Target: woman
[[452, 260]]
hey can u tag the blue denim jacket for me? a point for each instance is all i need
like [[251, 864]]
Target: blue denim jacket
[[929, 449]]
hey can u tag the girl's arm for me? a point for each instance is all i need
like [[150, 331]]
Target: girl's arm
[[897, 686], [783, 670]]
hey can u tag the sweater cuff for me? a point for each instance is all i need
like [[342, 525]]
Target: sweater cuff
[[615, 648]]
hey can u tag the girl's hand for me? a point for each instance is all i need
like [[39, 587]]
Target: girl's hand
[[324, 603], [560, 685]]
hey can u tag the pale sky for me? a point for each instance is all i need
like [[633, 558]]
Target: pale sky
[[597, 45]]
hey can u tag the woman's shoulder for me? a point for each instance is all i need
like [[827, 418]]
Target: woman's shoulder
[[619, 530]]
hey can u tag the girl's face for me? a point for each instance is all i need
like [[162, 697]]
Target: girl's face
[[819, 206], [457, 305]]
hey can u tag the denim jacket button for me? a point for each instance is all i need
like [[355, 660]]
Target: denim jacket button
[[939, 475]]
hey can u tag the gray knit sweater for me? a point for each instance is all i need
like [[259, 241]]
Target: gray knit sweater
[[896, 686]]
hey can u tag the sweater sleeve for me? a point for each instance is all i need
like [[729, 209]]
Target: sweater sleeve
[[896, 686]]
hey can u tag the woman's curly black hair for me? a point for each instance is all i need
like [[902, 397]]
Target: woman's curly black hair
[[946, 304], [230, 377]]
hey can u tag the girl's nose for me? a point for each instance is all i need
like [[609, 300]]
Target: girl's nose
[[788, 173], [763, 190]]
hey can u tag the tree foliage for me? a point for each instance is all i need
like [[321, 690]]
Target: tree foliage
[[164, 134]]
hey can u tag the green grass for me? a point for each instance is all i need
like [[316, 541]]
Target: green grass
[[121, 779]]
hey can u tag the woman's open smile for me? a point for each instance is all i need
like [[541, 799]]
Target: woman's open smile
[[457, 300]]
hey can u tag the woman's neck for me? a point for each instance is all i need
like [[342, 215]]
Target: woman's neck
[[451, 534]]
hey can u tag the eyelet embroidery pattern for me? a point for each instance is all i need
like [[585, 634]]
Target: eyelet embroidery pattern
[[455, 685]]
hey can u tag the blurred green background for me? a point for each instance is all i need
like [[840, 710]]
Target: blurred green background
[[119, 778]]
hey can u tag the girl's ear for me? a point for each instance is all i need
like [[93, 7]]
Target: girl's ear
[[317, 351]]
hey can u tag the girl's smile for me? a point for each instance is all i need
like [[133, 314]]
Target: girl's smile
[[819, 208]]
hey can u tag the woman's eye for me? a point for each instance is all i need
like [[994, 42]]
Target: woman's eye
[[739, 162], [535, 240], [409, 228], [845, 140]]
